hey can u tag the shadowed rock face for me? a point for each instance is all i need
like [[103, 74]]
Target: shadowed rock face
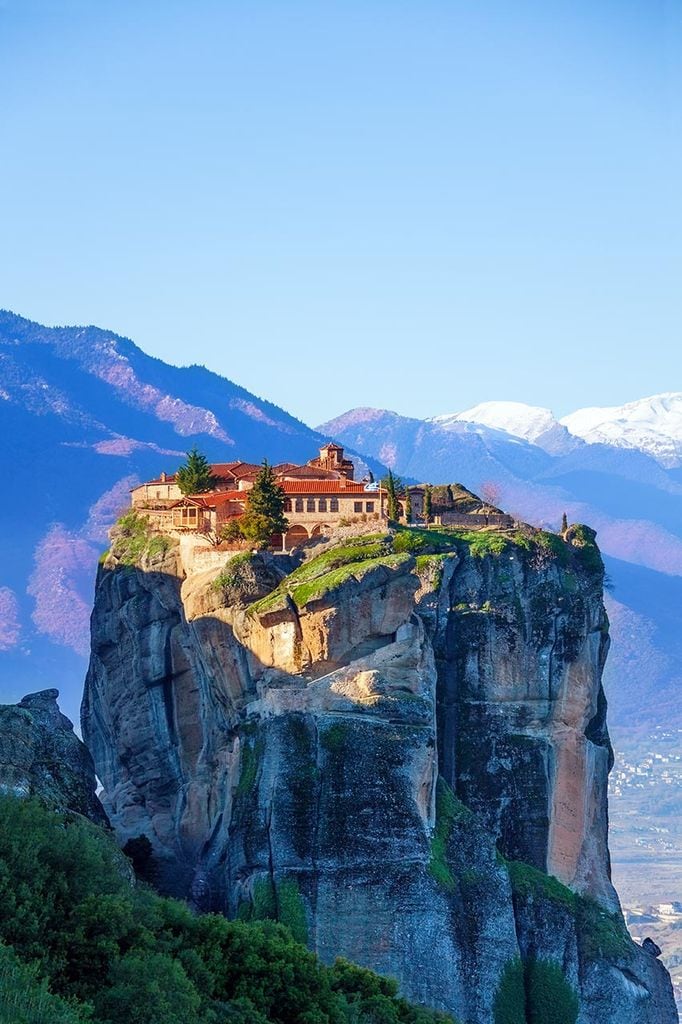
[[40, 755], [520, 644], [354, 765]]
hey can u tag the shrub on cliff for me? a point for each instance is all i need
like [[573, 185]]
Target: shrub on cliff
[[549, 997], [90, 946], [132, 538]]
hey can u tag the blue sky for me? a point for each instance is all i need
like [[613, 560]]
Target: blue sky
[[418, 206]]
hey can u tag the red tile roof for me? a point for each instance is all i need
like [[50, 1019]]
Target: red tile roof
[[324, 487]]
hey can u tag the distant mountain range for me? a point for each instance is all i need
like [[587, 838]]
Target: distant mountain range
[[85, 415], [622, 476], [650, 425]]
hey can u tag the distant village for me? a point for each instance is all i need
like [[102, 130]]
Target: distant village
[[319, 496]]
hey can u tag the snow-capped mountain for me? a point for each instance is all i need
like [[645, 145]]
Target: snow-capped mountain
[[529, 422], [652, 425]]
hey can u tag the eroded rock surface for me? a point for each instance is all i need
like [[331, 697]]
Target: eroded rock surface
[[360, 755], [40, 755]]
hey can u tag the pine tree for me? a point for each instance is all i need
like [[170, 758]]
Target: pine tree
[[564, 523], [392, 501], [450, 496], [195, 476], [427, 504], [408, 505], [264, 514]]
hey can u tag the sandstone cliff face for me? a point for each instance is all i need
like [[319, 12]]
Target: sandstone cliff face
[[360, 749], [40, 755]]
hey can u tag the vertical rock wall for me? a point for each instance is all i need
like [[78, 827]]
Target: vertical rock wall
[[283, 758]]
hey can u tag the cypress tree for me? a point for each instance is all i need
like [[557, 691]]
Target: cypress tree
[[427, 504], [264, 514], [564, 523], [195, 476], [392, 501]]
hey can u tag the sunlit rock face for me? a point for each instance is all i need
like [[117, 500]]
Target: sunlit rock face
[[361, 760]]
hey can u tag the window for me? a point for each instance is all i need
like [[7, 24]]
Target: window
[[185, 517], [323, 505], [369, 506], [357, 506], [333, 504], [310, 505], [287, 504], [299, 504]]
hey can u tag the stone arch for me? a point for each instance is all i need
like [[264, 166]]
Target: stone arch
[[321, 530], [296, 535]]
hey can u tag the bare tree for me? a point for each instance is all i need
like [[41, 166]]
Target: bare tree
[[491, 492]]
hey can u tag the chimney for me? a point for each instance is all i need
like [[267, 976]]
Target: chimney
[[163, 477]]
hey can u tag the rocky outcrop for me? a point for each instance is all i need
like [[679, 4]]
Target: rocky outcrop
[[40, 755], [402, 758]]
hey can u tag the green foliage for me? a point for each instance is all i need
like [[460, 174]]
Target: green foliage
[[392, 486], [408, 506], [146, 988], [264, 513], [281, 902], [26, 999], [510, 999], [231, 531], [419, 541], [317, 588], [583, 540], [291, 909], [264, 900], [133, 538], [601, 933], [334, 738], [328, 570], [90, 946], [449, 810], [482, 543], [195, 475], [549, 997], [534, 993], [412, 540], [371, 999], [527, 881], [432, 567], [251, 755], [234, 574], [398, 483]]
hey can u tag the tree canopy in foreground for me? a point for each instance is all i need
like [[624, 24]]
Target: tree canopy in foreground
[[80, 943]]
